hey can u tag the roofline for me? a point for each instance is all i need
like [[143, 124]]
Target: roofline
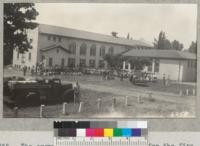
[[98, 41], [180, 56], [171, 58], [144, 43], [53, 47]]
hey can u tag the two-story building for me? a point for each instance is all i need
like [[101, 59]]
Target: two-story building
[[59, 46]]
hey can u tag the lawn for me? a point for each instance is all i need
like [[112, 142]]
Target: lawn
[[165, 101]]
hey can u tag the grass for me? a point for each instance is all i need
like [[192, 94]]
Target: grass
[[146, 108], [167, 104]]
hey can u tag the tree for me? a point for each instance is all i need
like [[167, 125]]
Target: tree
[[167, 44], [114, 61], [176, 45], [162, 43], [17, 20], [193, 47], [139, 63]]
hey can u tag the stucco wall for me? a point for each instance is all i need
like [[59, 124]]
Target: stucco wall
[[56, 54], [169, 68], [32, 34], [44, 42], [189, 71]]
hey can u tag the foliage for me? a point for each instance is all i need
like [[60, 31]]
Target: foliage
[[17, 20], [176, 45], [162, 43], [159, 44], [114, 61], [193, 47], [138, 63]]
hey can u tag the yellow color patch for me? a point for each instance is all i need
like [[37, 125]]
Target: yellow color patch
[[108, 132]]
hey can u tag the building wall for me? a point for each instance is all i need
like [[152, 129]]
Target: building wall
[[18, 61], [66, 41], [189, 71], [170, 68], [178, 70], [57, 55]]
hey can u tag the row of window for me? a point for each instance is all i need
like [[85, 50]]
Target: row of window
[[83, 49], [72, 61], [192, 64], [54, 38]]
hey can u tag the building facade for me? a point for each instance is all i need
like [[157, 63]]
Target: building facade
[[175, 65], [58, 46], [65, 47]]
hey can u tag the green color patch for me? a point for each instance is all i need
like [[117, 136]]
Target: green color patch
[[117, 132]]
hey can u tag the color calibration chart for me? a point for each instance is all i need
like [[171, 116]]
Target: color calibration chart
[[100, 133]]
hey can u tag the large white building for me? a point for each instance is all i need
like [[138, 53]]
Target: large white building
[[59, 46], [69, 47]]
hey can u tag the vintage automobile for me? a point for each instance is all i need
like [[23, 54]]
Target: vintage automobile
[[36, 92], [138, 78]]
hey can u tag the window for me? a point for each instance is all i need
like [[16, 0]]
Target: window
[[57, 50], [49, 37], [83, 49], [72, 48], [43, 57], [17, 53], [101, 64], [92, 63], [63, 62], [111, 50], [71, 62], [59, 39], [54, 38], [82, 62], [50, 61], [102, 51], [195, 64], [192, 63], [150, 67], [29, 56], [157, 64], [93, 50]]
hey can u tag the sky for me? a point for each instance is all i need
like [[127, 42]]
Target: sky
[[141, 21]]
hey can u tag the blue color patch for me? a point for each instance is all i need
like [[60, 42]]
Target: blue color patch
[[126, 132], [136, 132]]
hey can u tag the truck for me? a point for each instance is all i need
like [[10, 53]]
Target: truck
[[36, 92], [142, 78]]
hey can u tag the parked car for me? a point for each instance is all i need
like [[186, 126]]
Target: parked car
[[36, 92], [138, 78]]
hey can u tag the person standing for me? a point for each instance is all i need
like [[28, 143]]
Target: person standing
[[77, 93], [164, 80], [24, 70]]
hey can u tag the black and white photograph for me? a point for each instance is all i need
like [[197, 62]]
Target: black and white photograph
[[99, 60]]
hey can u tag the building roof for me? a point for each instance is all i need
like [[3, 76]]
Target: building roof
[[74, 33], [54, 46], [165, 54]]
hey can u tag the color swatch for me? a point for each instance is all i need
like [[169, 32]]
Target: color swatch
[[100, 129]]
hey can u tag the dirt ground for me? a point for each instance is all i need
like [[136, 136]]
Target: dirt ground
[[165, 101]]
